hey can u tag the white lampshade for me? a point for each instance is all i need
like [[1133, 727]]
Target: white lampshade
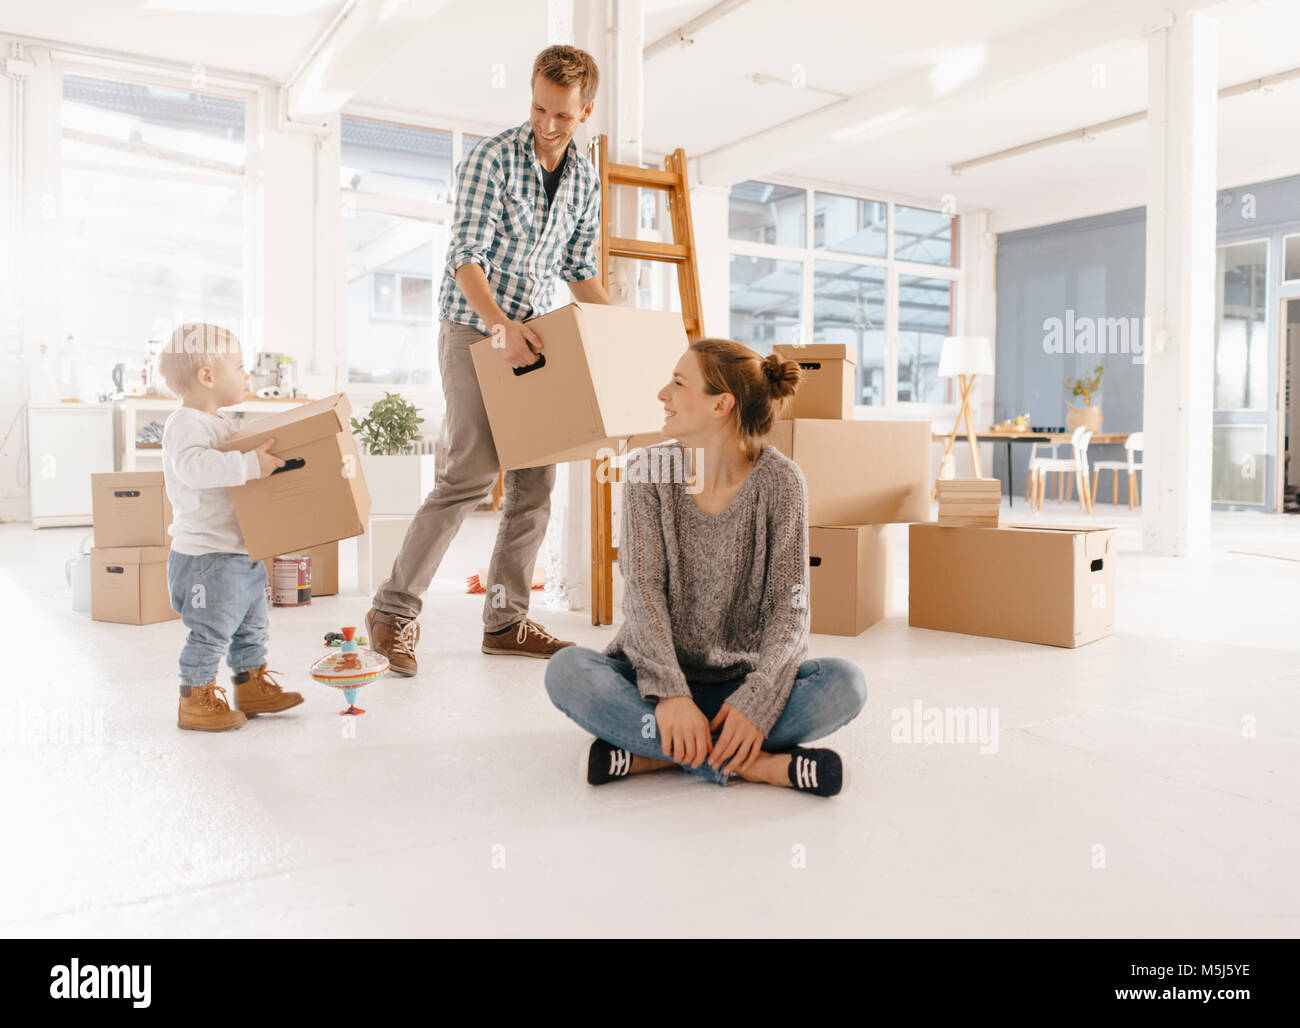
[[965, 355]]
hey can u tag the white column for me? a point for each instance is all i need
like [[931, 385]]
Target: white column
[[709, 207], [1177, 393]]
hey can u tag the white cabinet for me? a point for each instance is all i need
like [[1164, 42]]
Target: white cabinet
[[66, 444]]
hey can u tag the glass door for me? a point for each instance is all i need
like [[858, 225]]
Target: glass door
[[1245, 379]]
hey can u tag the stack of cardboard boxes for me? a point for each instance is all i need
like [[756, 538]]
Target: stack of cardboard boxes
[[128, 564], [861, 476]]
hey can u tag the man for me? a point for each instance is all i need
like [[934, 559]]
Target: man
[[527, 211]]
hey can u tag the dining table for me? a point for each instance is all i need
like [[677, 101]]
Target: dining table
[[1030, 435]]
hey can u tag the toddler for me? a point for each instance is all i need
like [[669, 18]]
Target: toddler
[[219, 593]]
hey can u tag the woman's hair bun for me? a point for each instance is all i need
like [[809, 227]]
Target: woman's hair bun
[[782, 375]]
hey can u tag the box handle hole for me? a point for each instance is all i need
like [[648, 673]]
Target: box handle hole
[[535, 366], [292, 464], [1096, 564], [114, 569], [814, 562], [126, 493]]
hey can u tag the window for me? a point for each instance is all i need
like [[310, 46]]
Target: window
[[764, 301], [925, 319], [1291, 258], [856, 226], [925, 237], [764, 213], [153, 219], [387, 159], [396, 182], [849, 308], [817, 266], [1240, 335]]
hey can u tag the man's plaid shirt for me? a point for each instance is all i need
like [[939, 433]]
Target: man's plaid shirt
[[502, 224]]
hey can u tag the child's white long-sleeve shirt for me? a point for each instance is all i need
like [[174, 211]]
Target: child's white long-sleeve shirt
[[198, 478]]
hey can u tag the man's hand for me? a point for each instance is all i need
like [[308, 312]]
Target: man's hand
[[267, 461], [683, 730], [520, 344], [739, 737]]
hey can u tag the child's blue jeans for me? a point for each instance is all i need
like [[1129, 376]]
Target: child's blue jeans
[[221, 598], [600, 694]]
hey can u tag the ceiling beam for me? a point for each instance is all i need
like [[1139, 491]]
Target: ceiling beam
[[365, 36], [917, 96]]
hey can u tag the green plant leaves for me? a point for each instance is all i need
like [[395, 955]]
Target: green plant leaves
[[390, 427]]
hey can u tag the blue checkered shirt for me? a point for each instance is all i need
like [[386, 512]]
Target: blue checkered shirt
[[502, 224]]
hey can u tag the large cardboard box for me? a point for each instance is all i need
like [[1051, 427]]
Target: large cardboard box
[[860, 472], [318, 497], [594, 388], [826, 388], [848, 577], [128, 584], [324, 568], [130, 508], [1033, 583]]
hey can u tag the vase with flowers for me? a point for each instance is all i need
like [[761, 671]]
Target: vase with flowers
[[1086, 391]]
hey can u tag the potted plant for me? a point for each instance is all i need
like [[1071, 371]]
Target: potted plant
[[397, 478], [1088, 390]]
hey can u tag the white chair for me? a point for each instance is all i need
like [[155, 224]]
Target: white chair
[[1075, 465], [1033, 456], [1133, 444]]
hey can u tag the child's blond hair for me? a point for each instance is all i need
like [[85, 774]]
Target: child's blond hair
[[194, 345]]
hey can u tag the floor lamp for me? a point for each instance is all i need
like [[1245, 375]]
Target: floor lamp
[[964, 357]]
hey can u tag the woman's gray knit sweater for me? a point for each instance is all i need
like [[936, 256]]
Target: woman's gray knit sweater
[[708, 598]]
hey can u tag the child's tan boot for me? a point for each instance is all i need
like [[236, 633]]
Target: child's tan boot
[[204, 711], [257, 693]]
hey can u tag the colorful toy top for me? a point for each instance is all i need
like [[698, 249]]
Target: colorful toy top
[[349, 665]]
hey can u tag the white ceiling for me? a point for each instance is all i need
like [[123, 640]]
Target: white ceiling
[[701, 97]]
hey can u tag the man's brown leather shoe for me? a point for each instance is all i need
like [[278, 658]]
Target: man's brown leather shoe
[[523, 639], [394, 637], [204, 711], [256, 693]]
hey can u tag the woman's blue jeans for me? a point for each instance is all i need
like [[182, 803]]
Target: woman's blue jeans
[[600, 694]]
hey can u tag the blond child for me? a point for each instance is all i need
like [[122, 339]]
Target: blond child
[[219, 593]]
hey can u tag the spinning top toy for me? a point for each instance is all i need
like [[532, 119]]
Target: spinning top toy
[[348, 667]]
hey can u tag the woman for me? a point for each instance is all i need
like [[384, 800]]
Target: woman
[[716, 598]]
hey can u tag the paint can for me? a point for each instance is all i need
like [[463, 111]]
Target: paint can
[[291, 580]]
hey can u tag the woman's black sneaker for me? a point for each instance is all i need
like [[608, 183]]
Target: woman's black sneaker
[[819, 772], [606, 763]]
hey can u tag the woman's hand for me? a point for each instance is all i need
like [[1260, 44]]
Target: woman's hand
[[683, 730], [739, 737]]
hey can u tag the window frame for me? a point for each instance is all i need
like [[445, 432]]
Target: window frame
[[808, 254]]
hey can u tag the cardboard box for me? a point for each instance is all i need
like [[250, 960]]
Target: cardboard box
[[1033, 583], [826, 389], [130, 508], [860, 472], [847, 577], [128, 584], [324, 568], [595, 387], [318, 497]]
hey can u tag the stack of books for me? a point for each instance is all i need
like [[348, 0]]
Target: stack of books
[[969, 502]]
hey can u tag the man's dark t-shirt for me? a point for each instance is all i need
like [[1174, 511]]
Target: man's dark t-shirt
[[551, 180]]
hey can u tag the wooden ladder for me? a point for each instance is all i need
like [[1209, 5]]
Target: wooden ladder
[[681, 251]]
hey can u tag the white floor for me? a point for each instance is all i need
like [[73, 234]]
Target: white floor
[[457, 808]]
